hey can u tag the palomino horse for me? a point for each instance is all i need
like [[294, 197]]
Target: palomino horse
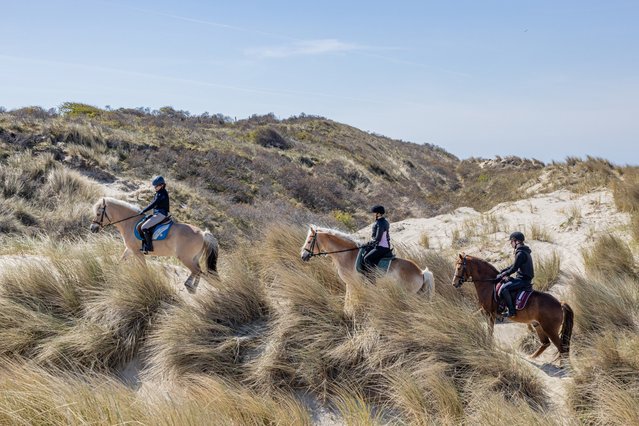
[[343, 250], [551, 319], [186, 242]]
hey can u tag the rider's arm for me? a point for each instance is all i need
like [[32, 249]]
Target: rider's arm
[[150, 206], [520, 259]]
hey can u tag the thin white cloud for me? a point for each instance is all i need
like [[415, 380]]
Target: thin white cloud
[[146, 75], [307, 47]]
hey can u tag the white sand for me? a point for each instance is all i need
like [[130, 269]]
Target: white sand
[[570, 222]]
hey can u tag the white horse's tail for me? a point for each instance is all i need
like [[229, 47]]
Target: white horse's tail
[[429, 283], [211, 249]]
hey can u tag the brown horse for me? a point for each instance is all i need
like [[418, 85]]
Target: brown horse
[[186, 242], [343, 250], [551, 319]]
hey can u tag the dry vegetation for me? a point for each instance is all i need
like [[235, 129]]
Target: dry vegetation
[[268, 331], [253, 346], [606, 370], [235, 176]]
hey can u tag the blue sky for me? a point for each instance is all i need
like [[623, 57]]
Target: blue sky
[[542, 79]]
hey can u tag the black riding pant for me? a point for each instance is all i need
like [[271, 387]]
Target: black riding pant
[[372, 257]]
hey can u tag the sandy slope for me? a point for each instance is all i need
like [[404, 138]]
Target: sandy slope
[[570, 221]]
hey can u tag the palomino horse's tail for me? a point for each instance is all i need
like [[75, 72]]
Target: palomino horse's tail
[[566, 327], [429, 283], [211, 248]]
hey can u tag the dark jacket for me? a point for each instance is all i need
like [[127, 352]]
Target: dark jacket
[[160, 203], [379, 227], [523, 264]]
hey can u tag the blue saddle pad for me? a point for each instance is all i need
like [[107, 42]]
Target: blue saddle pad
[[160, 232], [383, 264]]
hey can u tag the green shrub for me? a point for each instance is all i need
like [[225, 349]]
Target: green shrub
[[75, 109]]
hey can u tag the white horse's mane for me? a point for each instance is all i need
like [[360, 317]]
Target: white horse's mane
[[337, 233], [111, 200]]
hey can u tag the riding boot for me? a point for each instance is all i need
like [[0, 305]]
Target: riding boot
[[144, 249], [508, 298], [148, 238]]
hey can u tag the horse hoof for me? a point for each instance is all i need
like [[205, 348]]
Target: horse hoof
[[190, 287]]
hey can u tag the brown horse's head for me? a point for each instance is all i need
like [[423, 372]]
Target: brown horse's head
[[461, 271]]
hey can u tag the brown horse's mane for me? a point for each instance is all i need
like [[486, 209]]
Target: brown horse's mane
[[111, 200], [485, 263], [336, 233]]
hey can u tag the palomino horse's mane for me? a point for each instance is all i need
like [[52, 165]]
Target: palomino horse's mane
[[115, 201], [336, 233]]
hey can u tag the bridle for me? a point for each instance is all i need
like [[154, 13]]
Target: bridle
[[104, 214], [461, 278], [314, 243]]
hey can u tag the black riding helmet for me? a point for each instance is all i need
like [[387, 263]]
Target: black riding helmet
[[378, 209], [517, 236]]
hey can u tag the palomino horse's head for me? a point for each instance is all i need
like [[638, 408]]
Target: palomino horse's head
[[461, 271], [310, 247], [101, 218]]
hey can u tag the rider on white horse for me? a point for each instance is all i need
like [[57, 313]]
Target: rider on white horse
[[380, 244], [160, 204]]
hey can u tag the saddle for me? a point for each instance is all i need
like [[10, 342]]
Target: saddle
[[159, 231], [383, 264], [521, 297]]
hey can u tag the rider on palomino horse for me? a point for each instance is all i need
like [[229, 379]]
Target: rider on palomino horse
[[160, 204], [523, 265], [380, 244]]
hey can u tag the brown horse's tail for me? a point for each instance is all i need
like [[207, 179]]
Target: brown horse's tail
[[566, 327], [211, 248]]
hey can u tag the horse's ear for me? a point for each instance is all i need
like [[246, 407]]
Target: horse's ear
[[461, 256]]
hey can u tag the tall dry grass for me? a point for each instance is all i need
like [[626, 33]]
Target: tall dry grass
[[39, 195], [270, 329], [30, 395], [547, 272], [610, 256], [87, 310], [217, 332], [606, 368]]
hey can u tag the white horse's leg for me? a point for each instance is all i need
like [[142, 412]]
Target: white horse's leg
[[193, 280], [128, 253]]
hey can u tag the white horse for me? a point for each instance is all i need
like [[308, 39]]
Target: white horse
[[186, 242], [343, 251]]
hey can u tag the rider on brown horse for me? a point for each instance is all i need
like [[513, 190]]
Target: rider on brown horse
[[523, 265], [380, 244], [160, 204]]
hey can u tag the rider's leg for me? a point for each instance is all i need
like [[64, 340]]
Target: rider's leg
[[506, 296], [370, 262], [147, 236]]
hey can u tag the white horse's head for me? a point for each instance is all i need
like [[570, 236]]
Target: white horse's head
[[109, 210], [310, 246]]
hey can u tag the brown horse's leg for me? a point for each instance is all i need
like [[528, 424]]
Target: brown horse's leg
[[551, 329], [543, 338], [491, 323]]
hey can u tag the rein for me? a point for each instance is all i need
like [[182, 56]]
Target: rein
[[104, 214]]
